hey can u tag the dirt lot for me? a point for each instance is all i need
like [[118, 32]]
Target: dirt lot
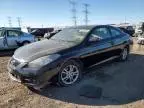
[[112, 85]]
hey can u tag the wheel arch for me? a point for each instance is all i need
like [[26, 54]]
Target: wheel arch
[[26, 41], [127, 46], [79, 62]]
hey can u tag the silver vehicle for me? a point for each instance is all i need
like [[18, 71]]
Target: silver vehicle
[[140, 39], [11, 38], [139, 29]]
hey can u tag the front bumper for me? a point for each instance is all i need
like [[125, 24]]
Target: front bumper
[[33, 77]]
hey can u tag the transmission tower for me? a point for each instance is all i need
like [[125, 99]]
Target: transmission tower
[[19, 21], [9, 21], [74, 12], [86, 12]]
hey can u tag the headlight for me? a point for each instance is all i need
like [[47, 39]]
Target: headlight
[[44, 60]]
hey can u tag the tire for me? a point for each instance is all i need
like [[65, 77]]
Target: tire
[[25, 43], [124, 54], [69, 74]]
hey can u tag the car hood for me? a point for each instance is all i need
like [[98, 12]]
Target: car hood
[[39, 49]]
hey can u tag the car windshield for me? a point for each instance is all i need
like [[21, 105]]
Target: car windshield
[[71, 35]]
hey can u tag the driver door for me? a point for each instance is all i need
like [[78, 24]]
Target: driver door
[[3, 42], [12, 38], [99, 50]]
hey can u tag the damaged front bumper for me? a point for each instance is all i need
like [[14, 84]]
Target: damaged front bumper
[[32, 77]]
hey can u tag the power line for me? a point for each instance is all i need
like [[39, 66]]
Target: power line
[[9, 21], [74, 12], [86, 12]]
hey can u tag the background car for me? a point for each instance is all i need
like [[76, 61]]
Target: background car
[[64, 56], [50, 34], [12, 38], [40, 32], [139, 29], [140, 39], [128, 29]]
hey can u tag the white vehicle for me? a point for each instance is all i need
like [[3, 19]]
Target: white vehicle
[[138, 29], [140, 39], [11, 38]]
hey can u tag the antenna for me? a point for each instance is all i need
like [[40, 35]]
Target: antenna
[[74, 12], [86, 12], [9, 21]]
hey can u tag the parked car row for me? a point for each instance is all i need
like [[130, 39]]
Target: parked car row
[[64, 57]]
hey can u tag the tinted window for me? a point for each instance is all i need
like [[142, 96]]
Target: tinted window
[[115, 32], [0, 33], [13, 33], [101, 32]]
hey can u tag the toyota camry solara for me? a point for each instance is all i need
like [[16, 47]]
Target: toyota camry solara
[[66, 55]]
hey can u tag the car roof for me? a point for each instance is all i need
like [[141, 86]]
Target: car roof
[[87, 27]]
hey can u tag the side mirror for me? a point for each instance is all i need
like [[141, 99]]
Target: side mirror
[[94, 38]]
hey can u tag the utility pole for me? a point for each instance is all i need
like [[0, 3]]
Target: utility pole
[[125, 20], [74, 12], [19, 21], [9, 21], [86, 12], [42, 25]]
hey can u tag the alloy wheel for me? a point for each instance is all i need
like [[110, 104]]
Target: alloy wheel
[[69, 74]]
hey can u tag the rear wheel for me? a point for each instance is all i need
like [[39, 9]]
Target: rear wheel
[[124, 54], [69, 74]]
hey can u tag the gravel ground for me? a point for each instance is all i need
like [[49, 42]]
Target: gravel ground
[[111, 85]]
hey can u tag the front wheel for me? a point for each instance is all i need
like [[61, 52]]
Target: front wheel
[[69, 74], [124, 54]]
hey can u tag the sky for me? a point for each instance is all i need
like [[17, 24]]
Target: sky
[[53, 13]]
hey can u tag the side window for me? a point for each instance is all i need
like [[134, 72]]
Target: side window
[[102, 32], [115, 32], [1, 33], [13, 33]]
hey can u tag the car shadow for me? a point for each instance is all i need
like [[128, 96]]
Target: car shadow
[[112, 83], [6, 53]]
